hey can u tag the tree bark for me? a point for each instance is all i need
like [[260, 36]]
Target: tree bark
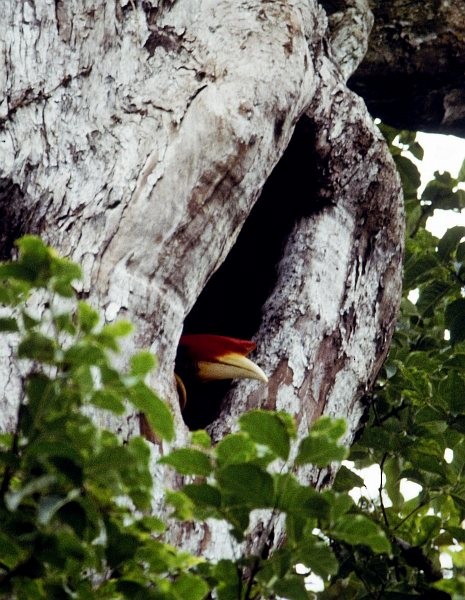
[[137, 137], [412, 75]]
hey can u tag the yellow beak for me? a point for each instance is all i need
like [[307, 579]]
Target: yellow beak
[[230, 366], [208, 357]]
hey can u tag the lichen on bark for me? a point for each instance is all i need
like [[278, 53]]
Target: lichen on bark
[[140, 136]]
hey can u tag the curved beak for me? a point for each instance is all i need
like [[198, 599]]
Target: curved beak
[[207, 357], [230, 366], [221, 357]]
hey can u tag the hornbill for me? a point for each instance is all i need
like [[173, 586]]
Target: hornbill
[[211, 358], [203, 358]]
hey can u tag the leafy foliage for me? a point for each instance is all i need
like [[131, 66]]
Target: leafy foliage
[[415, 422], [241, 474], [75, 502]]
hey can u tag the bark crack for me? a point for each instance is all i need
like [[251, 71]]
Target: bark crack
[[349, 34], [30, 96]]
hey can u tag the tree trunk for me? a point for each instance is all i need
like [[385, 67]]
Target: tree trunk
[[136, 137], [412, 75]]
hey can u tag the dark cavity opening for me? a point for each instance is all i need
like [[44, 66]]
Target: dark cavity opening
[[14, 220], [232, 300]]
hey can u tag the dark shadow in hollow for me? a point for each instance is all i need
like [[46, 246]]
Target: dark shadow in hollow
[[232, 301], [14, 217]]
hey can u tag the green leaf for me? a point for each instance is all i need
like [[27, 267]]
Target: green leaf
[[151, 524], [461, 175], [121, 546], [321, 446], [408, 309], [392, 468], [419, 269], [188, 461], [37, 346], [183, 506], [109, 334], [33, 253], [201, 438], [11, 552], [29, 321], [346, 480], [40, 391], [455, 320], [128, 588], [229, 581], [108, 400], [156, 411], [12, 292], [247, 484], [63, 288], [431, 295], [235, 448], [299, 500], [452, 389], [85, 353], [203, 494], [317, 556], [409, 174], [456, 361], [459, 199], [117, 329], [270, 429], [64, 269], [431, 462], [450, 240], [87, 317], [460, 254], [64, 322], [389, 133], [291, 587], [407, 137], [142, 363], [49, 505], [6, 438], [439, 192], [457, 532], [8, 324], [359, 529], [340, 503], [17, 271], [417, 150], [190, 586], [432, 419], [458, 462]]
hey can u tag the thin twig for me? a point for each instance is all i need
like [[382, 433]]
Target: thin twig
[[380, 489], [411, 513], [253, 571]]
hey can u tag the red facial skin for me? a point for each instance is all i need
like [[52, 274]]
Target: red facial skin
[[208, 357], [209, 347]]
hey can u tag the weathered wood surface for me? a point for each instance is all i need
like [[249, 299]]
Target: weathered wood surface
[[136, 138]]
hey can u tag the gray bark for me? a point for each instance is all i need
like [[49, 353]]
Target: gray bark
[[137, 137], [412, 75]]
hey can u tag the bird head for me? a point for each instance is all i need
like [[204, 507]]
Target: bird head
[[207, 357]]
